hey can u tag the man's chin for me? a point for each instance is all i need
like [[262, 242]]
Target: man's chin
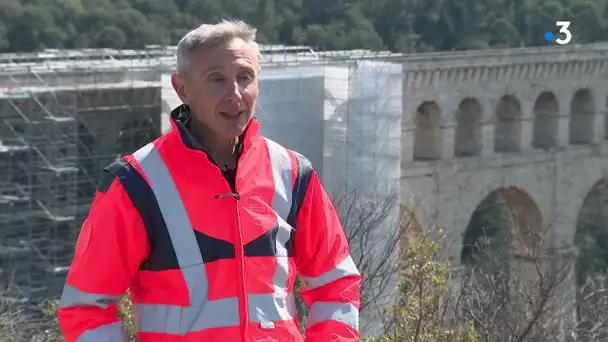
[[234, 130]]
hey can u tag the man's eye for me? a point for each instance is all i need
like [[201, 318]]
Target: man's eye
[[216, 77], [245, 77]]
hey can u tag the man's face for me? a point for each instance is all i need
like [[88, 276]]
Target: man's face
[[221, 87]]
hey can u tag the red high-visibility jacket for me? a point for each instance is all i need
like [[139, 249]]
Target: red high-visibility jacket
[[204, 262]]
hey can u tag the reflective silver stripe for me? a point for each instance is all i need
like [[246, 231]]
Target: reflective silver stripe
[[269, 307], [346, 268], [113, 332], [177, 320], [282, 174], [73, 297], [202, 312], [279, 306], [333, 311], [174, 214]]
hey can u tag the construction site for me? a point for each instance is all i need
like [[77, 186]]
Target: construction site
[[66, 114], [59, 127]]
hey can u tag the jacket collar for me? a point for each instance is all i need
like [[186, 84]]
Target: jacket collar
[[180, 124]]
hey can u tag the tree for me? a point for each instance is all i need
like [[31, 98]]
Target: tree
[[534, 301], [407, 26], [531, 302], [592, 264], [591, 309], [20, 322], [418, 315], [373, 227]]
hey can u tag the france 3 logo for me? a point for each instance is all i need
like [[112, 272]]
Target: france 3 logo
[[564, 35]]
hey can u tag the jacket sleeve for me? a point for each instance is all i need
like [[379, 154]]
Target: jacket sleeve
[[329, 276], [111, 245]]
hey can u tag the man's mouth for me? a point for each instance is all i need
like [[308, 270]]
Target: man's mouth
[[231, 115]]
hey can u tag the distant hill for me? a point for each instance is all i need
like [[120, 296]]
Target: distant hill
[[398, 25]]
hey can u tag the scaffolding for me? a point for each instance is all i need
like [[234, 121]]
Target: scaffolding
[[374, 127], [59, 127], [39, 192]]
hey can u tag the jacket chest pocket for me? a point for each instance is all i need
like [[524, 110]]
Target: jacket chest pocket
[[258, 212], [272, 233]]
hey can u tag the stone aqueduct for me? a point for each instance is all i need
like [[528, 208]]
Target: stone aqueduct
[[529, 122]]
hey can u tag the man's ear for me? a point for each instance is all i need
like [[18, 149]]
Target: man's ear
[[179, 85]]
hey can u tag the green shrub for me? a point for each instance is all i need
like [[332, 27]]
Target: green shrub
[[416, 316]]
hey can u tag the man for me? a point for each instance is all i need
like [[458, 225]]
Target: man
[[209, 225]]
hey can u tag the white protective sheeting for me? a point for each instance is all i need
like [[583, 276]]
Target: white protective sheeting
[[345, 119], [170, 100]]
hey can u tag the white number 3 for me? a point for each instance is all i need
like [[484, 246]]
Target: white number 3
[[563, 28]]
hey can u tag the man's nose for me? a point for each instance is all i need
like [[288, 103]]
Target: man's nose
[[234, 92]]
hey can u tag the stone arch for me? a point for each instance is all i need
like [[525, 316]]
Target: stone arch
[[591, 235], [507, 221], [546, 116], [469, 128], [591, 240], [507, 129], [582, 114], [428, 137]]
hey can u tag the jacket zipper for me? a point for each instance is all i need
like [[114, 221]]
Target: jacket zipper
[[239, 249], [240, 255], [245, 301]]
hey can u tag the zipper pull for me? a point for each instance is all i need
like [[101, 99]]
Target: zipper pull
[[230, 194]]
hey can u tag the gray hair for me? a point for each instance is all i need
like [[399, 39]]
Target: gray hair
[[208, 36]]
